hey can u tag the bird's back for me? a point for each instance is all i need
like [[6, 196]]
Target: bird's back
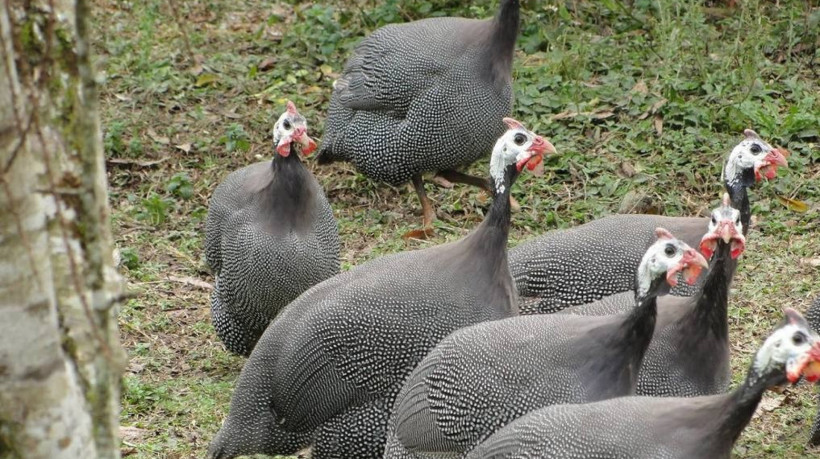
[[483, 376], [626, 427], [416, 97], [579, 265], [265, 249], [359, 334]]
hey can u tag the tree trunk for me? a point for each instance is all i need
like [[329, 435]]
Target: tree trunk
[[60, 358]]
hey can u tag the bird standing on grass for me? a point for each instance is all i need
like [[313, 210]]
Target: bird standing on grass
[[425, 96], [334, 359], [270, 235], [481, 377], [568, 267], [662, 428]]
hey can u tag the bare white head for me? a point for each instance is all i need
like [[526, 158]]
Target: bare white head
[[518, 147], [663, 260], [793, 347], [752, 160], [290, 129], [724, 225]]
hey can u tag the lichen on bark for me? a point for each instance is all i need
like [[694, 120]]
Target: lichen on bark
[[59, 345]]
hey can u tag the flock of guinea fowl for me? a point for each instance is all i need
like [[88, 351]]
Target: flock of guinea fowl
[[608, 340]]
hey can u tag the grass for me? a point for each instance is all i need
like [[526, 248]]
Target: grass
[[643, 100]]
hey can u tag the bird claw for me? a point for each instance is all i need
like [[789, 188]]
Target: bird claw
[[442, 182], [420, 234]]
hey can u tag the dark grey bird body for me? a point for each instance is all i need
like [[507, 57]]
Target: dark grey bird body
[[423, 96], [351, 340], [334, 359], [621, 428], [270, 235], [481, 377], [568, 267], [813, 317], [650, 427], [484, 376], [575, 266], [689, 352]]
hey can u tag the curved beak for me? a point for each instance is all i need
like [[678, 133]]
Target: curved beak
[[727, 232], [691, 264], [299, 135], [806, 365], [767, 167], [535, 154], [308, 144]]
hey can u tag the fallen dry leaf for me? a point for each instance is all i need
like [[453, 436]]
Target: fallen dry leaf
[[186, 147], [133, 162], [157, 138], [135, 367], [231, 115], [563, 115], [769, 404], [813, 262], [196, 69], [793, 204], [658, 124], [206, 79], [628, 169], [657, 105], [267, 64], [326, 70], [122, 97], [131, 433], [640, 87], [191, 281], [603, 114]]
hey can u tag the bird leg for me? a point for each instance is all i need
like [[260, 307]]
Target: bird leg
[[428, 214], [459, 177]]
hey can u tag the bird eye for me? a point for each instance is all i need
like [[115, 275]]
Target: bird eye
[[798, 339], [669, 250], [737, 221], [755, 148], [286, 124], [519, 139], [714, 220]]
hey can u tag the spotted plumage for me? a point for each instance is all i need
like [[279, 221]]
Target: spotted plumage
[[270, 235], [689, 352], [427, 95], [659, 428], [334, 359], [576, 266], [813, 317], [483, 376]]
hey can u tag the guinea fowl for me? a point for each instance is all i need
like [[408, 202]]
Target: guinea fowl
[[270, 235], [424, 96], [689, 352], [663, 428], [813, 317], [563, 268], [484, 376], [334, 359]]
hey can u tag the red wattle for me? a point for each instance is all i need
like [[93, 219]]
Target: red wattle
[[283, 148]]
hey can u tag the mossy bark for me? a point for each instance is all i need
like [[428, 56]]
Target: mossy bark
[[60, 358]]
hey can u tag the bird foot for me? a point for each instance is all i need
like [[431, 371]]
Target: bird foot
[[442, 182], [420, 234]]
